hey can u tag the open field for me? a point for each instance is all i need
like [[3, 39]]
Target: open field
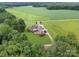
[[56, 21]]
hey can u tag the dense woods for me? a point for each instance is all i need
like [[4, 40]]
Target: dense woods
[[14, 41]]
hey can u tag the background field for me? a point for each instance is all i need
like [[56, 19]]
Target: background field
[[56, 21]]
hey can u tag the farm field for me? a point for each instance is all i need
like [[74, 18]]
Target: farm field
[[56, 21]]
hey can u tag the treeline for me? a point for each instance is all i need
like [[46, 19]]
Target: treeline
[[66, 6], [14, 4], [48, 5], [58, 5]]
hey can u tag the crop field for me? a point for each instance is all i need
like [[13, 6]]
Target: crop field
[[57, 22]]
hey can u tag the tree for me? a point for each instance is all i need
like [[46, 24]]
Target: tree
[[19, 25], [4, 31]]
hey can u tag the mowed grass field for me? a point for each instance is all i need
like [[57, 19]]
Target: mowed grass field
[[58, 22]]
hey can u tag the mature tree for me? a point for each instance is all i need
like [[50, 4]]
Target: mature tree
[[19, 25], [4, 31]]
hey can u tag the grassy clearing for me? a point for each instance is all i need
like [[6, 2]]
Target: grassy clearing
[[52, 19]]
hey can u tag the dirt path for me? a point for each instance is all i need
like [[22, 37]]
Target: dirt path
[[50, 37], [52, 40], [46, 46]]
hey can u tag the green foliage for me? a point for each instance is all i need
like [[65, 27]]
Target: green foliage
[[5, 15], [13, 43], [66, 45], [58, 5], [4, 31], [16, 46], [19, 25], [16, 24], [9, 21], [2, 10], [62, 6]]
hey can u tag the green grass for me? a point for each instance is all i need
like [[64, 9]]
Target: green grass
[[62, 27], [52, 19], [46, 14]]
